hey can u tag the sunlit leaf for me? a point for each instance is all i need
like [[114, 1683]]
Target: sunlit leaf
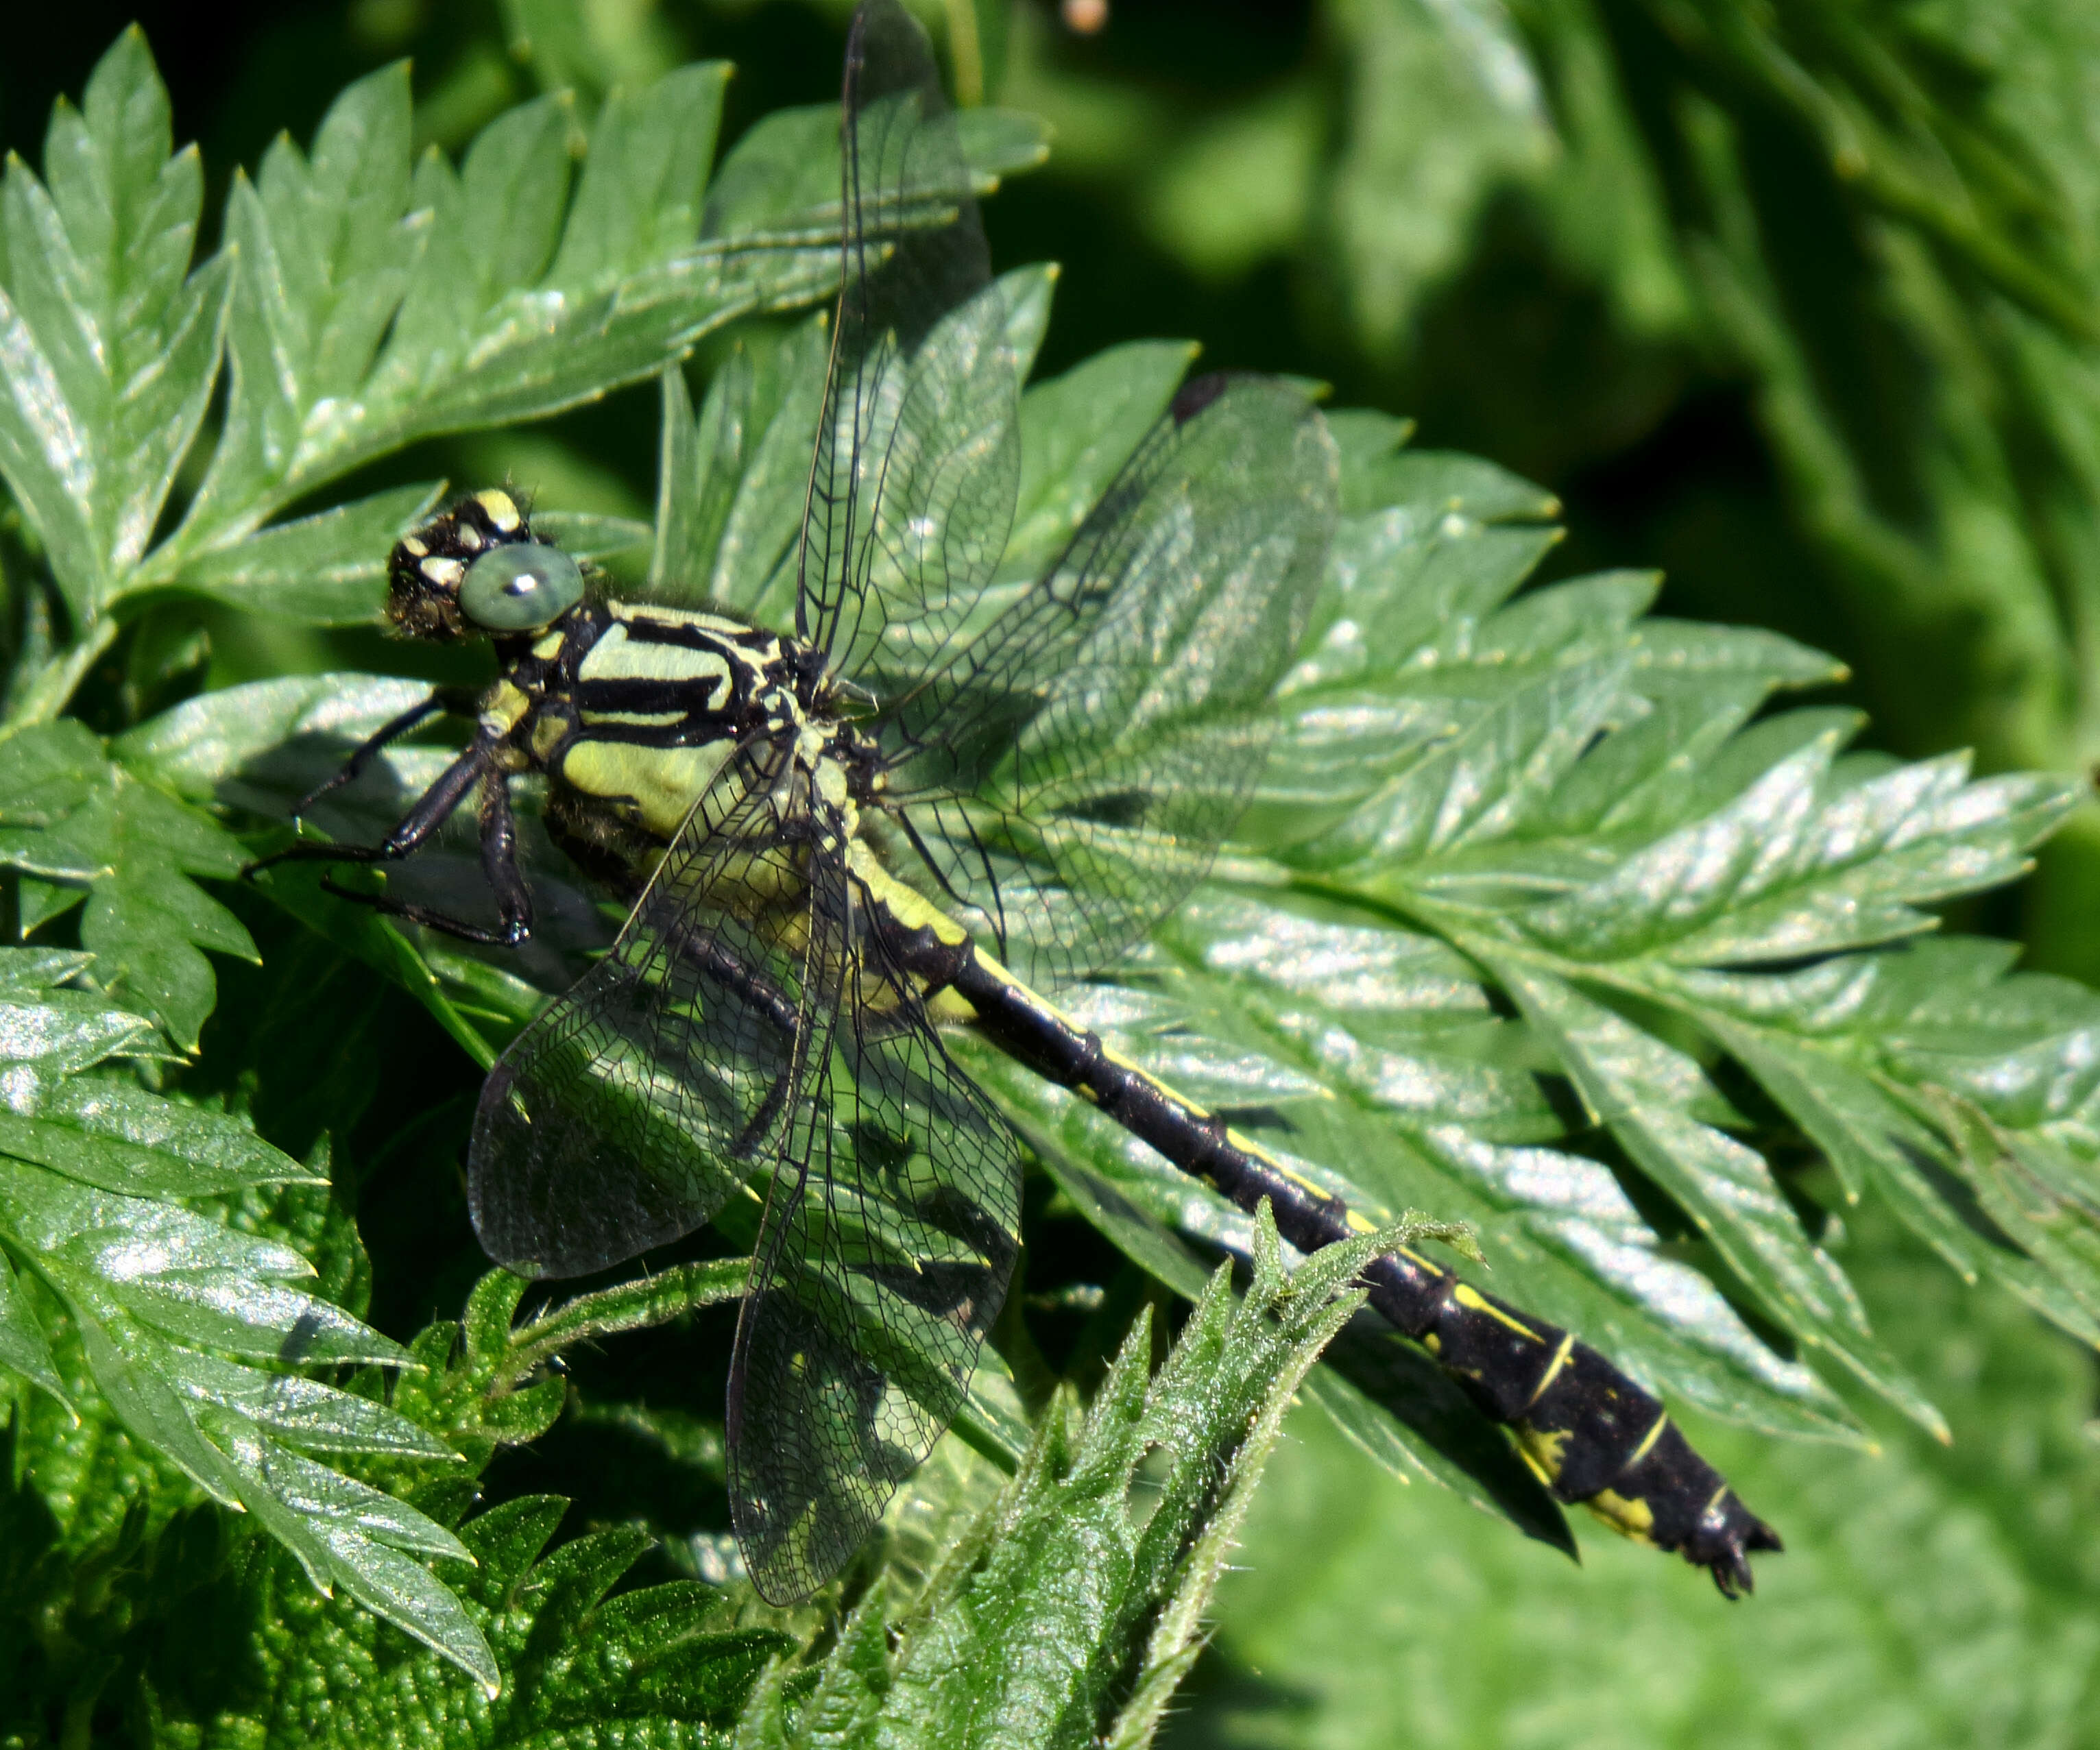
[[109, 342], [75, 821], [152, 1297]]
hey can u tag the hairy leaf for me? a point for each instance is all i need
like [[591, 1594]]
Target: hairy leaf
[[253, 1662], [1069, 1616]]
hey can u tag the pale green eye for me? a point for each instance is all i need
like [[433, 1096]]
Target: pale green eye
[[520, 586]]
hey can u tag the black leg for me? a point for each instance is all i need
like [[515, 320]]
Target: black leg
[[414, 827], [445, 699], [499, 864], [506, 935], [499, 860], [758, 993], [474, 769]]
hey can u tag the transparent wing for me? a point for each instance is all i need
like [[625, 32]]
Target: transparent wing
[[624, 1116], [889, 1241], [1067, 777], [912, 483]]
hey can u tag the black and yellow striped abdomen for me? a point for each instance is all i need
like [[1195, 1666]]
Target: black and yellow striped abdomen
[[1595, 1437]]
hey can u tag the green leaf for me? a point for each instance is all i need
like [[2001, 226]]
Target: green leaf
[[591, 537], [1936, 1060], [732, 482], [636, 1305], [781, 179], [1872, 1137], [69, 815], [211, 748], [1004, 1649], [977, 50], [565, 1662], [326, 570], [569, 50], [1076, 431], [109, 344], [374, 305], [1646, 1094], [122, 1138], [24, 1350], [1803, 865], [1445, 107], [1378, 471], [152, 1298]]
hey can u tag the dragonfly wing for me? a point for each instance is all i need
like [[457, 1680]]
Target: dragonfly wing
[[917, 455], [626, 1114], [1070, 773], [888, 1242]]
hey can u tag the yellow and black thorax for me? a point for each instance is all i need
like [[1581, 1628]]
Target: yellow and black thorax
[[632, 710]]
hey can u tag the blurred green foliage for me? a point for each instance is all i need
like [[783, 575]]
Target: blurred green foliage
[[1800, 300]]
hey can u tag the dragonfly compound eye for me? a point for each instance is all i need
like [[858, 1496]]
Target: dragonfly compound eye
[[520, 586]]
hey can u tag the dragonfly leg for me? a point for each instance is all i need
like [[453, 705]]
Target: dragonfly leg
[[499, 860], [437, 804], [506, 935], [476, 769], [445, 700], [763, 997], [750, 1139]]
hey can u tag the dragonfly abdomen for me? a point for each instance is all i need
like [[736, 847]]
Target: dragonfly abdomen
[[1594, 1438]]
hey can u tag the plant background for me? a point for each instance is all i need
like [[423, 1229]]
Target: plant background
[[1801, 302]]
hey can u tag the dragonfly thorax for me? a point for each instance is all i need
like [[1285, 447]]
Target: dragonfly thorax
[[632, 711]]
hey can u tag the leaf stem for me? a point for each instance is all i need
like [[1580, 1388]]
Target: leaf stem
[[632, 1306]]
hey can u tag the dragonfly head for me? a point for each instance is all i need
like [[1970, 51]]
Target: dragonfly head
[[479, 569]]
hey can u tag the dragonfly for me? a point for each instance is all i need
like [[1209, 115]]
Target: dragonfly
[[935, 798]]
